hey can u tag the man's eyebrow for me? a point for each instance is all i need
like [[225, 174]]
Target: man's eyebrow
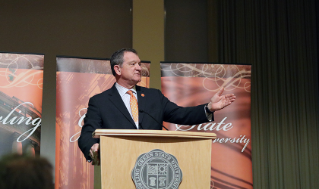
[[133, 61]]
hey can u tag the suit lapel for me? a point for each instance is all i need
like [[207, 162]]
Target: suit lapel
[[141, 102], [117, 101]]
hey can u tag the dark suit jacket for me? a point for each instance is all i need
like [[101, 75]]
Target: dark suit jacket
[[107, 110]]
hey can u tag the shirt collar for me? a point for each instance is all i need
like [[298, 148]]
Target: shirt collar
[[122, 90]]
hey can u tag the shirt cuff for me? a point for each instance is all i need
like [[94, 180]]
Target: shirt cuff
[[208, 113]]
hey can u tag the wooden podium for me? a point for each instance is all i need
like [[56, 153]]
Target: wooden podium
[[120, 149]]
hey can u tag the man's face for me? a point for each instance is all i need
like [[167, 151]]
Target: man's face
[[130, 71]]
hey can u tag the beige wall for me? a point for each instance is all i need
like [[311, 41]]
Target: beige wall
[[148, 35]]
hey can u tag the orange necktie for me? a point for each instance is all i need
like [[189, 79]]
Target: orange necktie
[[133, 103]]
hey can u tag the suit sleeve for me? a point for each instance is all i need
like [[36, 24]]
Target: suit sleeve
[[92, 121], [183, 115]]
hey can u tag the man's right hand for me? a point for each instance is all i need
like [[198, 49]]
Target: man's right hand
[[95, 154]]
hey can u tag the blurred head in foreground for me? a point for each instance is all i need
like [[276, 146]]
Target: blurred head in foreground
[[25, 172]]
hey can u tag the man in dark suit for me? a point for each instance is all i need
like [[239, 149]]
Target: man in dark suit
[[128, 106]]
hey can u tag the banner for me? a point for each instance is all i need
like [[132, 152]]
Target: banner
[[78, 80], [189, 84], [21, 84]]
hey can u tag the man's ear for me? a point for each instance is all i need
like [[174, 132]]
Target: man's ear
[[117, 69]]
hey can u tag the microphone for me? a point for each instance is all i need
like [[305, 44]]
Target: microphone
[[142, 111]]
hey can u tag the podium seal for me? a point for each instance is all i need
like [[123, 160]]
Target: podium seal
[[157, 170]]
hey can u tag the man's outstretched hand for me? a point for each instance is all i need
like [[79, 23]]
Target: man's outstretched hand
[[219, 101]]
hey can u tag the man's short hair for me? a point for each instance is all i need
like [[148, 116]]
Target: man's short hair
[[117, 58]]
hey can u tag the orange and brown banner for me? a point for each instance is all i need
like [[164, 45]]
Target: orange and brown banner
[[78, 79], [190, 84], [21, 84]]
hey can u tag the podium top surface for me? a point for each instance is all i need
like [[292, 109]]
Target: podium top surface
[[152, 133]]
